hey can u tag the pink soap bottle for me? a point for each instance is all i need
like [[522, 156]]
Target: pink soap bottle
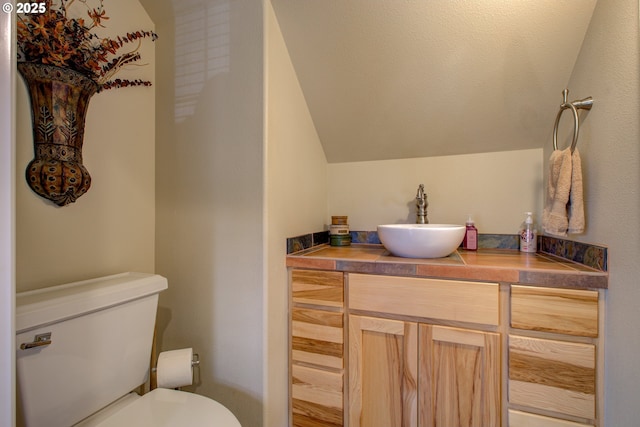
[[470, 241]]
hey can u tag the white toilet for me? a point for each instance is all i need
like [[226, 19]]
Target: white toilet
[[83, 347]]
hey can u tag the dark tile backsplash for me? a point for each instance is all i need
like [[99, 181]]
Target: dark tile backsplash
[[593, 256], [306, 241], [583, 253]]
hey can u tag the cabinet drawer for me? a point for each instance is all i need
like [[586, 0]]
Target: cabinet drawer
[[317, 337], [524, 419], [565, 311], [316, 396], [474, 302], [552, 375], [318, 287]]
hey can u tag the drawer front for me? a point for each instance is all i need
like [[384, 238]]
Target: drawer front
[[553, 375], [317, 398], [318, 287], [524, 419], [564, 311], [474, 302], [317, 337]]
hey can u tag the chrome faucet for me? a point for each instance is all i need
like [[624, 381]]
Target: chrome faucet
[[421, 204]]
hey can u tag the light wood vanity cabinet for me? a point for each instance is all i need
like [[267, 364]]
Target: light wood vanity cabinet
[[553, 357], [409, 373], [385, 351]]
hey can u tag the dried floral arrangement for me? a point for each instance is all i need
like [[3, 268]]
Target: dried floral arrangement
[[54, 38]]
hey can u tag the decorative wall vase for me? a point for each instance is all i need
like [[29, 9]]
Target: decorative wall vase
[[59, 101]]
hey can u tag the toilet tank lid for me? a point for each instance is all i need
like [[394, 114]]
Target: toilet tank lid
[[51, 305]]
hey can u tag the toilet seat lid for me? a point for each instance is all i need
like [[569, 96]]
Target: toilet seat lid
[[168, 408]]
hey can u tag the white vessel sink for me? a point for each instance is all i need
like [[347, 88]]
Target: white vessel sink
[[421, 240]]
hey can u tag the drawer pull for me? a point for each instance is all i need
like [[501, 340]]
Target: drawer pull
[[40, 340]]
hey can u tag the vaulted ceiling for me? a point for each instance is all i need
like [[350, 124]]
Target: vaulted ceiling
[[388, 79]]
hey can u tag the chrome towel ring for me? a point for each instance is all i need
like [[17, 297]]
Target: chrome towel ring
[[582, 104]]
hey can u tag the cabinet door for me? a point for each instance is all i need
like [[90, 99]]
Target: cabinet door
[[459, 377], [383, 362]]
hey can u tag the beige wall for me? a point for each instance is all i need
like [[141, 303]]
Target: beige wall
[[496, 188], [210, 191], [296, 195], [111, 228], [608, 69]]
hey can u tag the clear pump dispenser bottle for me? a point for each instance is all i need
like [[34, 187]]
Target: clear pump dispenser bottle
[[528, 235]]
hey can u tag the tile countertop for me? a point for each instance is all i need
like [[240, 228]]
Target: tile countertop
[[498, 265]]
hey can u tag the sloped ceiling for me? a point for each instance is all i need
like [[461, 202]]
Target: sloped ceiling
[[388, 79]]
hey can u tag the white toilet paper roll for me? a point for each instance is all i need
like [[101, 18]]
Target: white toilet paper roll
[[174, 368]]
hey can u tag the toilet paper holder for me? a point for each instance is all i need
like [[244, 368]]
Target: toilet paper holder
[[195, 362], [173, 369]]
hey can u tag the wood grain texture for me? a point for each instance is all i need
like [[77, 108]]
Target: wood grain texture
[[317, 336], [324, 359], [553, 375], [524, 419], [475, 302], [316, 397], [564, 311], [459, 377], [383, 373], [552, 399], [321, 333], [318, 287], [318, 317], [317, 346]]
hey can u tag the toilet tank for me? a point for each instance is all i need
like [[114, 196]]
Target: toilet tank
[[101, 332]]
